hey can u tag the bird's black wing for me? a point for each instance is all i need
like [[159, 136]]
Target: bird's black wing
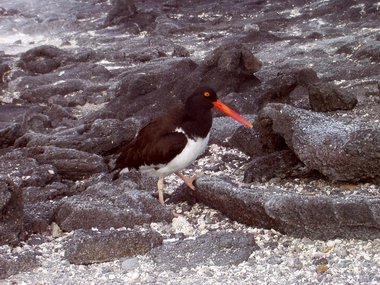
[[156, 143]]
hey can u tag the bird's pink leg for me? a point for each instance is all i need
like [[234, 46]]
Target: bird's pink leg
[[160, 187], [188, 180]]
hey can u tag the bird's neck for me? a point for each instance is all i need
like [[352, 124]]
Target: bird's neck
[[197, 123]]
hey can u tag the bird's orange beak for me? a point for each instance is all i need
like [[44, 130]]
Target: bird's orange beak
[[229, 112]]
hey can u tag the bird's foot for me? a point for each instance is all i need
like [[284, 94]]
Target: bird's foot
[[189, 181]]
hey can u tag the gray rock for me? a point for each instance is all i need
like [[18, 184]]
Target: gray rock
[[25, 171], [70, 163], [12, 210], [299, 97], [224, 128], [122, 10], [93, 246], [38, 216], [258, 141], [11, 117], [324, 97], [318, 217], [97, 137], [129, 264], [368, 50], [341, 149], [9, 133], [180, 51], [13, 263], [277, 164], [234, 58], [218, 248], [105, 205], [47, 58], [42, 59]]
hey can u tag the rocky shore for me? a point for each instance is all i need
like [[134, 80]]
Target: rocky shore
[[295, 200]]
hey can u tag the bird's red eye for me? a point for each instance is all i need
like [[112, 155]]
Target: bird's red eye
[[206, 94]]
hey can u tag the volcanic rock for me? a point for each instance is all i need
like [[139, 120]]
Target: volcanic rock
[[219, 248], [104, 205], [276, 164], [12, 210], [327, 97], [13, 263], [299, 215], [341, 149], [92, 246]]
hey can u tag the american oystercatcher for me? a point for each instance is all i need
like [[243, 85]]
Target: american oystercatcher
[[173, 141]]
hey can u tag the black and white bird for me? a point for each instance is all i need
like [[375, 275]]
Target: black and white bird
[[173, 141]]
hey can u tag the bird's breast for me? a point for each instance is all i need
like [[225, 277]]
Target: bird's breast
[[193, 149]]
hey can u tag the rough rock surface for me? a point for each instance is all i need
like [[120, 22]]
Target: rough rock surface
[[79, 78], [218, 248], [300, 215], [104, 205], [12, 210], [342, 149], [12, 263], [91, 246]]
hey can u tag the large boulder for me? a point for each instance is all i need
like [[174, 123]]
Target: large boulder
[[15, 262], [219, 248], [92, 246], [12, 211], [97, 137], [342, 149], [318, 217], [105, 205], [70, 163], [328, 97]]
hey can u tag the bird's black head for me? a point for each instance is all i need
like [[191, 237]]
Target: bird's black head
[[202, 98]]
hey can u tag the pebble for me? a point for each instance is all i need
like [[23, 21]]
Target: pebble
[[130, 264]]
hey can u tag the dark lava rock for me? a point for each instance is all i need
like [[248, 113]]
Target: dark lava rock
[[224, 128], [306, 76], [25, 171], [137, 91], [318, 217], [234, 58], [218, 248], [170, 81], [97, 137], [70, 163], [38, 216], [42, 119], [47, 58], [327, 97], [277, 164], [180, 51], [42, 59], [92, 246], [11, 117], [9, 133], [121, 11], [124, 12], [13, 263], [368, 50], [104, 205], [4, 69], [85, 77], [12, 211], [258, 141], [340, 148]]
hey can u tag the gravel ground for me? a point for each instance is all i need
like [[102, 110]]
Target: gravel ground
[[281, 259]]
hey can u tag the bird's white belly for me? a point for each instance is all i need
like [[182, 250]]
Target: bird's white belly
[[193, 149]]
